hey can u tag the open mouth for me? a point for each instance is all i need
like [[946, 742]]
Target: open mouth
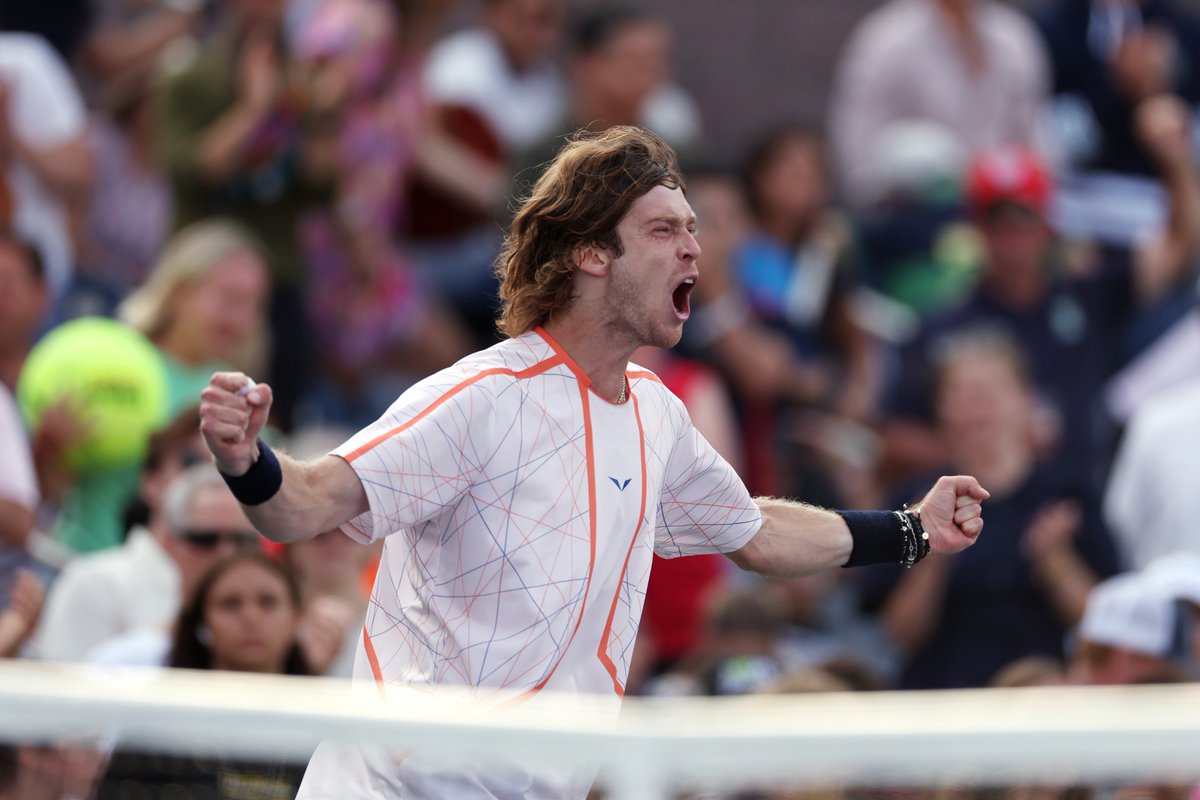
[[681, 297]]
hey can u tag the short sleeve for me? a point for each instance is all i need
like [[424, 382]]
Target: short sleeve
[[420, 457], [704, 507]]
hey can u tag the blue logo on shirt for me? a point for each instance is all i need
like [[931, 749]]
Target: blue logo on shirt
[[618, 484]]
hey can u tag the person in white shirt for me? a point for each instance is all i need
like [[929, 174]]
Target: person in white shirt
[[1150, 503], [140, 585], [522, 492], [45, 161], [976, 68], [504, 68]]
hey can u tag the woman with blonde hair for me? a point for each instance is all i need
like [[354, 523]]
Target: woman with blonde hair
[[203, 306]]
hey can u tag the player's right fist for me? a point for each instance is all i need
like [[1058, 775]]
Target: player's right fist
[[233, 410]]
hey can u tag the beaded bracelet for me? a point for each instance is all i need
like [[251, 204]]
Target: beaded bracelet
[[916, 540], [885, 537]]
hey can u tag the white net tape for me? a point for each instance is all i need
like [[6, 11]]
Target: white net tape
[[994, 736]]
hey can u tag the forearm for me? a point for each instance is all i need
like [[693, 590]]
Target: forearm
[[913, 611], [452, 166], [1182, 234], [795, 539], [1066, 580], [312, 498], [116, 48], [67, 169], [16, 523], [221, 148], [12, 633]]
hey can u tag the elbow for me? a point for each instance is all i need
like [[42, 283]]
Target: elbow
[[752, 557]]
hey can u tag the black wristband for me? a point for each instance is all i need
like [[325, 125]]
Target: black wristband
[[259, 483], [878, 537]]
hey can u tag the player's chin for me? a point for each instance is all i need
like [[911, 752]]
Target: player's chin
[[669, 336]]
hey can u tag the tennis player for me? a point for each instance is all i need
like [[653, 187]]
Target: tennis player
[[523, 491]]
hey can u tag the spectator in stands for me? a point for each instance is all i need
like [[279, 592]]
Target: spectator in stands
[[203, 309], [243, 617], [19, 612], [739, 651], [1068, 317], [23, 302], [19, 496], [759, 364], [496, 88], [620, 74], [756, 362], [797, 272], [976, 67], [126, 40], [1149, 503], [240, 138], [378, 326], [1108, 56], [139, 587], [1031, 671], [21, 575], [958, 620], [41, 772], [21, 486], [1125, 634], [204, 306], [1177, 577], [129, 213], [504, 69], [46, 167]]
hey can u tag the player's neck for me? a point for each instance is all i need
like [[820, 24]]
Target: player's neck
[[601, 359]]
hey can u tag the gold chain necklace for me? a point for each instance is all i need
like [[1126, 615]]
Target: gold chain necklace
[[621, 396]]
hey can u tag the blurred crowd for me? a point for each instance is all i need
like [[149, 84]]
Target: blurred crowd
[[983, 260]]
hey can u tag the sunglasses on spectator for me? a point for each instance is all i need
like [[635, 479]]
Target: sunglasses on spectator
[[210, 539]]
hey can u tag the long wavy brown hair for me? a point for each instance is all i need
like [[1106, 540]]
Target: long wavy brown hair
[[578, 201]]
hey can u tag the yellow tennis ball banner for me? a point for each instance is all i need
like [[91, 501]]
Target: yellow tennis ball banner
[[113, 382]]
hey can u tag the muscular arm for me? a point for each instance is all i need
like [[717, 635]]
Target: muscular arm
[[313, 497], [795, 539]]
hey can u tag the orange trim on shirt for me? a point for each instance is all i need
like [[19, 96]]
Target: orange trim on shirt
[[641, 373], [565, 356], [528, 372], [587, 587], [602, 650], [372, 659]]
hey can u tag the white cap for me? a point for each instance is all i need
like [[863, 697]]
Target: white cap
[[1176, 575], [1128, 612]]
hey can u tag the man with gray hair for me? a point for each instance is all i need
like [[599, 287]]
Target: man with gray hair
[[139, 586]]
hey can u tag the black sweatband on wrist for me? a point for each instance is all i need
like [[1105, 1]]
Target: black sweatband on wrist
[[878, 537], [259, 483]]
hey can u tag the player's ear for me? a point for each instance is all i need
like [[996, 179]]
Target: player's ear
[[592, 259]]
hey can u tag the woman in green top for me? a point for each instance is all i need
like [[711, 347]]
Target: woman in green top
[[203, 308]]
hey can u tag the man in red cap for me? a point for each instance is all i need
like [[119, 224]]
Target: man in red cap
[[1068, 314]]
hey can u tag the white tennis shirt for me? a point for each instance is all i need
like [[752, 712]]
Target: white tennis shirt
[[522, 511]]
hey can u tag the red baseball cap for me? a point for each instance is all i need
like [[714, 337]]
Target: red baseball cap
[[1009, 173]]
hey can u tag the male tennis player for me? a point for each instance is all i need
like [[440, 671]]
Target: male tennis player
[[523, 490]]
